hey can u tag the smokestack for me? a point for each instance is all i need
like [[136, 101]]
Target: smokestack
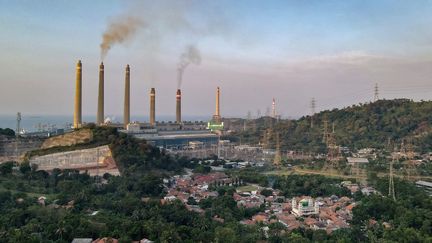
[[217, 102], [100, 110], [178, 106], [78, 96], [216, 116], [126, 114], [152, 106]]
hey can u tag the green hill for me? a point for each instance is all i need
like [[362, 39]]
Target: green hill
[[357, 126]]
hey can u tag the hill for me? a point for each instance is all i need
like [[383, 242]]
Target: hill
[[356, 126], [131, 155]]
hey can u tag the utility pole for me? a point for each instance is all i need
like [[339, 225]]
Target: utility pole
[[376, 97]]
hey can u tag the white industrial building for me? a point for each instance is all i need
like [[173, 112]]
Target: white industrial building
[[304, 207]]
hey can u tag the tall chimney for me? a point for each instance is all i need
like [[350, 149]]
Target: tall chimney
[[152, 107], [100, 110], [178, 106], [217, 102], [216, 116], [126, 114], [78, 96]]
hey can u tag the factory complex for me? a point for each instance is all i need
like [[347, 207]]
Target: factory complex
[[169, 135]]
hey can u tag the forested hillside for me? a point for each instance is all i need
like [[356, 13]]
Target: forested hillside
[[357, 126]]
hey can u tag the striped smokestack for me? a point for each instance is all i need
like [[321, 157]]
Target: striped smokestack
[[78, 96], [178, 106], [216, 116], [126, 114], [152, 106], [217, 102], [100, 109]]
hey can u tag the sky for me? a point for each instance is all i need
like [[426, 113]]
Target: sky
[[293, 51]]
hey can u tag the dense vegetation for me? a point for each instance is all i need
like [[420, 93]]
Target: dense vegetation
[[128, 207], [123, 210], [78, 205], [357, 126], [7, 132], [130, 154]]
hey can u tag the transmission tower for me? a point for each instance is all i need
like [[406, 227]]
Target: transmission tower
[[376, 92], [312, 106], [277, 158], [410, 163], [333, 148], [267, 113], [258, 113], [325, 131], [391, 193], [274, 108], [17, 132]]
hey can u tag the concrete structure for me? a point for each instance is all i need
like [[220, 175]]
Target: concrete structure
[[14, 149], [82, 240], [95, 161], [78, 97], [217, 117], [126, 114], [172, 135], [304, 207], [152, 107], [178, 106], [425, 185], [357, 161], [100, 108], [216, 124]]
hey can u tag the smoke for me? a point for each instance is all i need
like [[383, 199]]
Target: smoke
[[190, 55], [119, 31]]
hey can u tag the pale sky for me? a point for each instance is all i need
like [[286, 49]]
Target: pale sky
[[334, 51]]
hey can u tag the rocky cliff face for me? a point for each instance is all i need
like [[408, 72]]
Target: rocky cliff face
[[95, 161], [69, 139]]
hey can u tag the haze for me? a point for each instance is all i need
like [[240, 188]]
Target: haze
[[334, 51]]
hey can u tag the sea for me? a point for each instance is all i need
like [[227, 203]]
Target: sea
[[34, 123]]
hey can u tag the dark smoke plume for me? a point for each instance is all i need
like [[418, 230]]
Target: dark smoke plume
[[119, 31], [190, 55]]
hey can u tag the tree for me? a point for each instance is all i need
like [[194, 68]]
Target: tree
[[6, 167], [225, 235]]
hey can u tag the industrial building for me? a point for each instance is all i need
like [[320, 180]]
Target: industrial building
[[176, 134], [304, 207]]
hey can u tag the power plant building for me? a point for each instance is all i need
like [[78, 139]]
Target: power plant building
[[163, 134]]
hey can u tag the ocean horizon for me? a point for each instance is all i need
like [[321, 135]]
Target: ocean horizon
[[35, 122]]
